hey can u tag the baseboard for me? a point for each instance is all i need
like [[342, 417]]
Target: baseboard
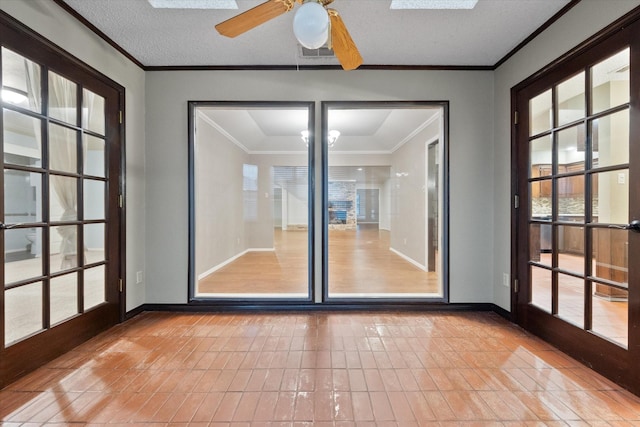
[[409, 260], [244, 306], [133, 313], [502, 312]]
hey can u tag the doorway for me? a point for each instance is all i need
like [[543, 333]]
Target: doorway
[[578, 199], [367, 206], [61, 218]]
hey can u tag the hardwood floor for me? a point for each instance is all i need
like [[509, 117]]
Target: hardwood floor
[[360, 264], [318, 369], [610, 318]]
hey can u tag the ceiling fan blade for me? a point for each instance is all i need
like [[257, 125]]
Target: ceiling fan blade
[[342, 43], [260, 14]]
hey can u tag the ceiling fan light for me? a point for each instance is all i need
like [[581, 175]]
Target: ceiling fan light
[[13, 96], [311, 25]]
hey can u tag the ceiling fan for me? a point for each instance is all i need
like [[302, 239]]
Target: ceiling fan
[[313, 24]]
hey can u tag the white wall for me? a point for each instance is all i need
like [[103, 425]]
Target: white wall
[[47, 19], [582, 21], [471, 138]]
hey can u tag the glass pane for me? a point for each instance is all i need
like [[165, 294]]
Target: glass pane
[[541, 288], [540, 156], [541, 199], [92, 112], [571, 198], [22, 254], [63, 198], [64, 297], [610, 82], [540, 113], [571, 149], [63, 100], [22, 197], [610, 313], [94, 243], [94, 199], [22, 312], [611, 254], [571, 299], [63, 242], [611, 197], [20, 81], [611, 139], [540, 243], [94, 156], [22, 139], [250, 205], [571, 100], [571, 248], [384, 215], [94, 287], [63, 149]]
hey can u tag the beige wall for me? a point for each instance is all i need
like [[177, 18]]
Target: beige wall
[[408, 199], [220, 227], [47, 19], [471, 137]]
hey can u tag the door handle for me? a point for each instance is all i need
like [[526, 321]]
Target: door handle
[[633, 226]]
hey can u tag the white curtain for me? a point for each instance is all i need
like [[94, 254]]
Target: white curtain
[[63, 157]]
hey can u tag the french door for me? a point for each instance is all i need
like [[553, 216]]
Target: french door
[[577, 157], [60, 216]]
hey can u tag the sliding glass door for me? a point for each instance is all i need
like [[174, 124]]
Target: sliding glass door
[[384, 201], [250, 201], [381, 232]]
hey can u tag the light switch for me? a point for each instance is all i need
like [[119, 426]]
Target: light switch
[[621, 178]]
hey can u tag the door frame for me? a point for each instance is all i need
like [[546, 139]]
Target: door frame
[[46, 345], [609, 359]]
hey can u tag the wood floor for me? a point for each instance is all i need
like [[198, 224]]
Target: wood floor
[[360, 264], [316, 370], [610, 319]]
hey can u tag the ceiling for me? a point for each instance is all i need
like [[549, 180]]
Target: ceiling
[[277, 130], [480, 37]]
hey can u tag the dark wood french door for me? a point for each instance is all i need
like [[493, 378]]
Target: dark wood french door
[[60, 228], [577, 175]]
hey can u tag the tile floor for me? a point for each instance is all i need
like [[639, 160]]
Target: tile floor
[[316, 369]]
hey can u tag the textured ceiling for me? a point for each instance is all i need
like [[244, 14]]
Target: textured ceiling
[[186, 37]]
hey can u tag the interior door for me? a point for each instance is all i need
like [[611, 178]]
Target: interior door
[[578, 184], [60, 216]]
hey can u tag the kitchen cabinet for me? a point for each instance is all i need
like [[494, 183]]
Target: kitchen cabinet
[[541, 188]]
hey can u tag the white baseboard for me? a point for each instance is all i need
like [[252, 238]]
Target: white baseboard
[[410, 260], [230, 260]]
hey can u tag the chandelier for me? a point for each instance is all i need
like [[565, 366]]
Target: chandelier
[[333, 137]]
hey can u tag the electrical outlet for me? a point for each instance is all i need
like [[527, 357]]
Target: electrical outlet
[[621, 178], [139, 277], [505, 280]]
